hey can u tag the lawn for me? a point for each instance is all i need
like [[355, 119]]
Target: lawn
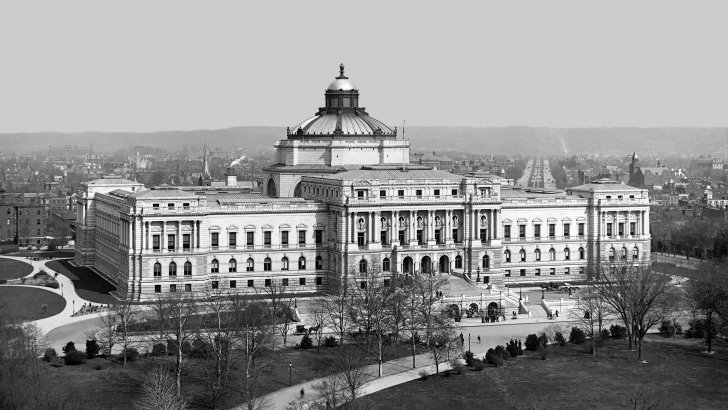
[[115, 386], [14, 269], [677, 376], [23, 303], [88, 284]]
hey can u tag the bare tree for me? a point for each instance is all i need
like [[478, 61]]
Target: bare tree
[[217, 369], [107, 335], [281, 303], [159, 392], [591, 314], [125, 316], [707, 292], [347, 378], [337, 305], [444, 343], [180, 314], [319, 315], [254, 329], [426, 288]]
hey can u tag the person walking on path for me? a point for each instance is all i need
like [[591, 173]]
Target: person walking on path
[[557, 313], [302, 392], [478, 338]]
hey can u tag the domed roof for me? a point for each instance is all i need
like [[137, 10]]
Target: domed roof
[[343, 84]]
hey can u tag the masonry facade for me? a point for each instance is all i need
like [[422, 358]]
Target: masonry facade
[[341, 199]]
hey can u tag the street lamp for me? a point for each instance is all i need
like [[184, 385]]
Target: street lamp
[[61, 289], [520, 294], [74, 307], [478, 279], [543, 292], [290, 373], [500, 303], [469, 342]]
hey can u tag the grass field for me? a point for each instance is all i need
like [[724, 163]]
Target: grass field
[[115, 386], [88, 284], [677, 375], [13, 269], [23, 303]]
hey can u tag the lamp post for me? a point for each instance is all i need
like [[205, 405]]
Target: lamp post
[[500, 303], [290, 373], [469, 342], [478, 278], [543, 292], [74, 307], [520, 294], [61, 289]]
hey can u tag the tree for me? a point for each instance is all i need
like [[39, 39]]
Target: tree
[[426, 288], [179, 312], [707, 292], [337, 306], [591, 313], [159, 392], [282, 305], [443, 341], [346, 379], [254, 329], [318, 316], [217, 369]]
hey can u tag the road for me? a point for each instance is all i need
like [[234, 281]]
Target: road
[[537, 174], [72, 332]]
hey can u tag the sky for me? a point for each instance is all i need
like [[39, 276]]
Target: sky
[[129, 65]]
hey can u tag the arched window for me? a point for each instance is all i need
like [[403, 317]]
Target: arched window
[[486, 262], [385, 265], [538, 254], [458, 262], [363, 266], [401, 221], [523, 255], [567, 254], [624, 253], [635, 253], [507, 255], [611, 254], [284, 263], [157, 269], [319, 262], [250, 265], [581, 253], [172, 269], [301, 263], [188, 269], [214, 266], [233, 265], [267, 265], [552, 254]]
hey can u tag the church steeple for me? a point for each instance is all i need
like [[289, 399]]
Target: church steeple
[[205, 176]]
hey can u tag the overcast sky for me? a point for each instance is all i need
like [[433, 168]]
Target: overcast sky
[[169, 65]]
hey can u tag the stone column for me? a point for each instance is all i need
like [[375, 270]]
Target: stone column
[[193, 241], [647, 223], [130, 245], [496, 224], [164, 236], [148, 225], [352, 236], [178, 236], [377, 227]]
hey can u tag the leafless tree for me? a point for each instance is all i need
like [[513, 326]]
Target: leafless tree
[[180, 314], [347, 377], [708, 292], [337, 304], [159, 392], [444, 342], [124, 315], [218, 368], [107, 334], [281, 303], [319, 315], [254, 331], [426, 288], [591, 314]]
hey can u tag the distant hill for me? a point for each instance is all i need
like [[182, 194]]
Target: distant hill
[[524, 140]]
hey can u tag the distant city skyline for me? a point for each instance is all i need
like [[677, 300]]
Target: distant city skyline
[[81, 66]]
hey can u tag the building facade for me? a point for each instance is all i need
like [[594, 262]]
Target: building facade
[[342, 198]]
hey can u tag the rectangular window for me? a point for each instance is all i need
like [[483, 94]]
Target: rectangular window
[[186, 206], [581, 270], [455, 236], [251, 283], [319, 280], [507, 273], [552, 231], [250, 239], [267, 238], [284, 239], [360, 238], [155, 242], [267, 283], [553, 271], [420, 237], [632, 228], [400, 193], [302, 282], [285, 281], [214, 240], [454, 192], [301, 238], [155, 206], [171, 242], [383, 237], [438, 236], [232, 240], [170, 206], [37, 222], [188, 287], [418, 193], [360, 194], [507, 232], [567, 271], [538, 272], [186, 241], [382, 193], [215, 284], [437, 193], [621, 228], [187, 269], [522, 231], [581, 229], [233, 284], [537, 231], [523, 272], [609, 229], [172, 288], [567, 229], [157, 288], [319, 237]]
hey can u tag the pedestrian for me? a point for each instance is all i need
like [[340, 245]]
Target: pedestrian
[[302, 392], [557, 313], [478, 338], [520, 346]]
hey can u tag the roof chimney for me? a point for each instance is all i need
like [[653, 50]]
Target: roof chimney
[[231, 177]]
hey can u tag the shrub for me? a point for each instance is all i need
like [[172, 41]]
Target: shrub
[[69, 347], [423, 375], [512, 349], [330, 342], [306, 342], [699, 327], [159, 350], [457, 367], [3, 281], [132, 354], [478, 365], [618, 332], [543, 340], [201, 348], [604, 334], [57, 362], [497, 356], [186, 347], [559, 339], [576, 336], [73, 358], [468, 356], [53, 285], [92, 348], [544, 351], [50, 354], [532, 342]]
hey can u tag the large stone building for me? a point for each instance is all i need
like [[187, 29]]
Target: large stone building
[[342, 198]]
